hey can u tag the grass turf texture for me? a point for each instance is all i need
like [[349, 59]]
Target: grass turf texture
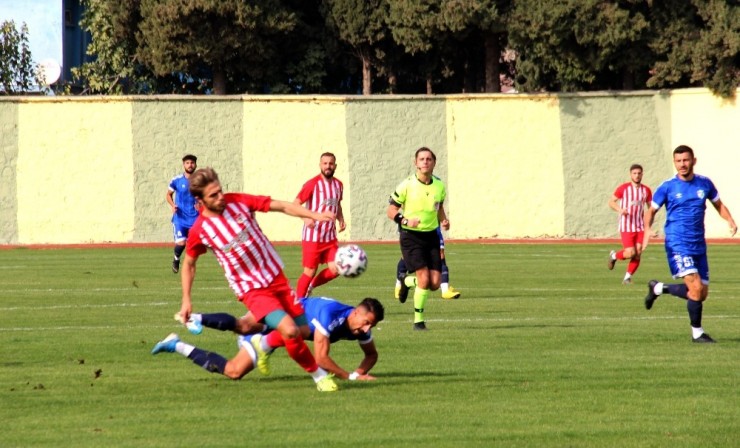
[[545, 348]]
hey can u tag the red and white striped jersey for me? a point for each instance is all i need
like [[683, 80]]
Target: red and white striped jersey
[[633, 199], [320, 195], [246, 255]]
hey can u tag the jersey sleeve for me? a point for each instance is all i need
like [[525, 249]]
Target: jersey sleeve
[[713, 193], [399, 194], [172, 186], [194, 247], [660, 196], [254, 202], [306, 191], [619, 192], [648, 195]]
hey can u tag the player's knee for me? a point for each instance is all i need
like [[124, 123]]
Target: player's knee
[[233, 372], [289, 331], [629, 252]]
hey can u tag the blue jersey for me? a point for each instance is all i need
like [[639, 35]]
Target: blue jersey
[[329, 317], [685, 204], [186, 212]]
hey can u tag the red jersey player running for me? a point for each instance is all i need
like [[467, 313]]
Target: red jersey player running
[[630, 200], [254, 270], [322, 193]]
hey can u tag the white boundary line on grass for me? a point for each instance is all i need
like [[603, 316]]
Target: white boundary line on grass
[[405, 322]]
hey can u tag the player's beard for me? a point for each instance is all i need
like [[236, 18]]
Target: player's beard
[[328, 173], [190, 169]]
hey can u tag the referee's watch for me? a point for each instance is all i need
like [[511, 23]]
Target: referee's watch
[[405, 222]]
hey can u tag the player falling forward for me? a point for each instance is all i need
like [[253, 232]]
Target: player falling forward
[[402, 289], [630, 200], [684, 197], [252, 267], [329, 321]]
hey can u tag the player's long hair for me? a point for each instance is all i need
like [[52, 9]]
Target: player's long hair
[[200, 179]]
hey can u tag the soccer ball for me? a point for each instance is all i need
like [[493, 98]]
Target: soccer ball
[[351, 260]]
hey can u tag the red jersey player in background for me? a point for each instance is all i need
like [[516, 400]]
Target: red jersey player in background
[[254, 270], [322, 193], [630, 200]]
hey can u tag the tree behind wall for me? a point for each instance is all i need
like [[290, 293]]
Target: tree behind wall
[[18, 73]]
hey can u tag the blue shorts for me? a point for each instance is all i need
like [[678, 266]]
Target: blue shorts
[[179, 231], [682, 265]]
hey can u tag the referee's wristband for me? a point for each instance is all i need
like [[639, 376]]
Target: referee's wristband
[[353, 376], [398, 218]]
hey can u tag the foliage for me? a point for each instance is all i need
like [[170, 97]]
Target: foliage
[[18, 73], [545, 348], [396, 46]]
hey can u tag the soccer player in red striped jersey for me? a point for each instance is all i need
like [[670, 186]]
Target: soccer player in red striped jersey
[[630, 200], [254, 270], [320, 194]]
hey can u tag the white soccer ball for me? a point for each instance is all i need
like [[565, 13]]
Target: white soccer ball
[[351, 260]]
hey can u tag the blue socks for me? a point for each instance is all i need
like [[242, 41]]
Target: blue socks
[[219, 321], [695, 309], [213, 362], [678, 290]]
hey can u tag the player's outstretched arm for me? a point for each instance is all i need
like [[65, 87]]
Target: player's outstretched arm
[[291, 209]]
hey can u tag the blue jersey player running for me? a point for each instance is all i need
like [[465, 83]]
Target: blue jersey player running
[[329, 321], [184, 212], [684, 197]]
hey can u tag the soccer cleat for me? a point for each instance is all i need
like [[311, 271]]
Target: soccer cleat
[[451, 293], [327, 384], [167, 344], [175, 265], [193, 326], [420, 326], [263, 357], [403, 291], [612, 260], [397, 294], [704, 339], [627, 281], [651, 296]]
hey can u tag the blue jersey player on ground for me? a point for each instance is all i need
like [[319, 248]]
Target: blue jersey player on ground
[[184, 212], [684, 197], [329, 321]]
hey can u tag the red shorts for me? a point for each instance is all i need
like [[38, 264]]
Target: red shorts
[[632, 239], [278, 296], [315, 254]]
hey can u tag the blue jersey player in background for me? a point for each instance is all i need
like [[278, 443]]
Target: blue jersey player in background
[[684, 197], [184, 212], [329, 321]]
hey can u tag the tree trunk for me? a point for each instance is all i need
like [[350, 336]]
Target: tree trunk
[[219, 82], [367, 87], [392, 82], [429, 84], [492, 57]]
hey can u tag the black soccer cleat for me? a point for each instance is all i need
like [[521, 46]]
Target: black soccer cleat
[[420, 326], [175, 265], [704, 339], [403, 292], [651, 296]]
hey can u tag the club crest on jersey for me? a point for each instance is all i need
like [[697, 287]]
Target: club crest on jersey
[[700, 193]]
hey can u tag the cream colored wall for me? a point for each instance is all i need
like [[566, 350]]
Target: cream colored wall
[[283, 140], [711, 127], [74, 173], [505, 162]]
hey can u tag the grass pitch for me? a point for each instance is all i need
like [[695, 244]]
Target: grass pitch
[[545, 348]]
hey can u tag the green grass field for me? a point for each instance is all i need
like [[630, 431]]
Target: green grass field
[[546, 347]]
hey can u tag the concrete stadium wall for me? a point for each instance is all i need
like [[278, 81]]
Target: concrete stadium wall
[[90, 169]]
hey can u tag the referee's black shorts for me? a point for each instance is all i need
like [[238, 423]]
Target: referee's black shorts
[[421, 250]]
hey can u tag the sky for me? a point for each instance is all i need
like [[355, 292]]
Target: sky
[[44, 20]]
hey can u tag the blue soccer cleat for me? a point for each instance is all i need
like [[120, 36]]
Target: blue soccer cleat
[[167, 344]]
